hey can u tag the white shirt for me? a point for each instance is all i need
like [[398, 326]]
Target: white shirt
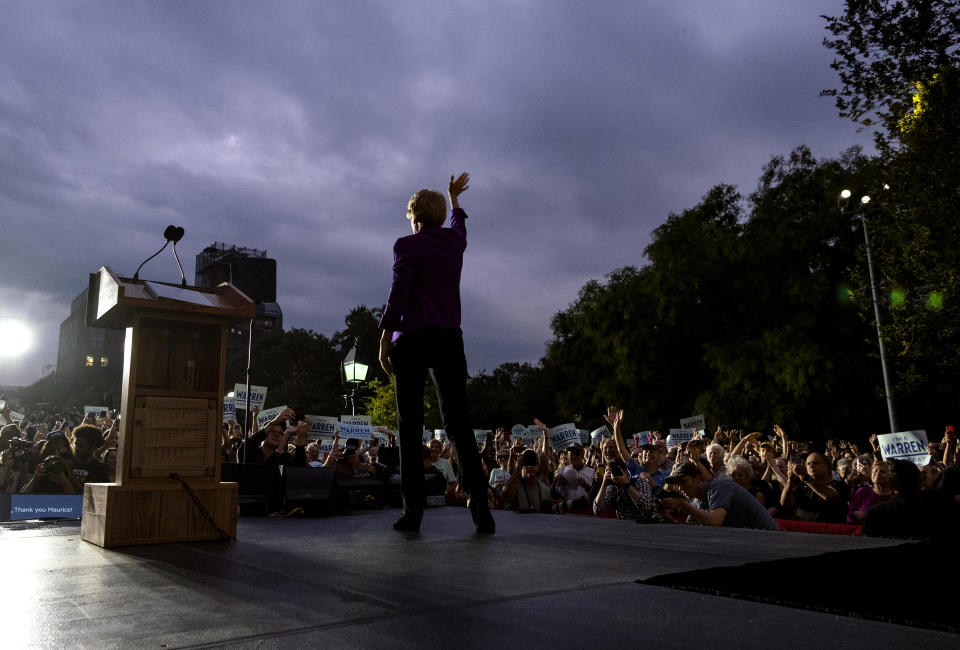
[[573, 488]]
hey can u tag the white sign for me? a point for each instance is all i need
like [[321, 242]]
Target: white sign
[[597, 435], [643, 438], [696, 422], [481, 435], [563, 436], [533, 434], [677, 436], [381, 434], [322, 425], [358, 431], [440, 434], [326, 446], [229, 409], [905, 445], [87, 410], [263, 417], [355, 419], [14, 417], [518, 430], [258, 395]]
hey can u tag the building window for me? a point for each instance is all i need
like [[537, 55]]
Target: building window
[[104, 362], [89, 362], [97, 337]]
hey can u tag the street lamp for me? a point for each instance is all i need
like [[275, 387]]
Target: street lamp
[[864, 202], [354, 372]]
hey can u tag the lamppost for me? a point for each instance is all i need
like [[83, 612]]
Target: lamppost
[[864, 201], [354, 373]]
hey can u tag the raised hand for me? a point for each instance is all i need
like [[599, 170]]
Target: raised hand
[[457, 187], [614, 417]]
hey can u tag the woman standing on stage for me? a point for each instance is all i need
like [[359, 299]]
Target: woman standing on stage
[[421, 335]]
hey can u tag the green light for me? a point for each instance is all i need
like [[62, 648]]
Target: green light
[[935, 300], [844, 294], [898, 298]]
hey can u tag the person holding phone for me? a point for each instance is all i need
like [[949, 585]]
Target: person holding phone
[[421, 336]]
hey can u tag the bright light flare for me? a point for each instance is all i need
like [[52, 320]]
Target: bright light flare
[[15, 338]]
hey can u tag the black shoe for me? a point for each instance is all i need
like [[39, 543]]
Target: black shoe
[[409, 521], [482, 518]]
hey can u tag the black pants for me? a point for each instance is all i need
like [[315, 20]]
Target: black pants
[[438, 352]]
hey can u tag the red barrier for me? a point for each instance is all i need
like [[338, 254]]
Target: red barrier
[[818, 527]]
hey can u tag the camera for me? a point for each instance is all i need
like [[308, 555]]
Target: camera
[[18, 444]]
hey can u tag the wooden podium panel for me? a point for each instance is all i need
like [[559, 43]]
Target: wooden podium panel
[[174, 435], [117, 515]]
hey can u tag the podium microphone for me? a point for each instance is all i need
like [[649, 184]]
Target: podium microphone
[[172, 234]]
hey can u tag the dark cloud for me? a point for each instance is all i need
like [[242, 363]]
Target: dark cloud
[[302, 128]]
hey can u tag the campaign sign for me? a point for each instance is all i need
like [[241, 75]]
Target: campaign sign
[[265, 416], [481, 435], [87, 410], [380, 433], [229, 409], [45, 506], [358, 431], [533, 434], [355, 419], [597, 435], [518, 430], [563, 436], [15, 417], [643, 438], [440, 434], [584, 437], [322, 426], [326, 446], [696, 422], [677, 436], [258, 395], [427, 436], [905, 445]]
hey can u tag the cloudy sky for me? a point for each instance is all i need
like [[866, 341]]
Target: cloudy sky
[[302, 128]]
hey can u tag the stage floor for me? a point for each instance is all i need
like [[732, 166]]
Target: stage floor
[[350, 581]]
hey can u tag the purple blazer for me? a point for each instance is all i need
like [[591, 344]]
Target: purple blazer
[[426, 278]]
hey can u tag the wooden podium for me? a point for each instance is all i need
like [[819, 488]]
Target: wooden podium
[[168, 485]]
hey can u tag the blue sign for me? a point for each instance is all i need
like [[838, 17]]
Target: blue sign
[[45, 506]]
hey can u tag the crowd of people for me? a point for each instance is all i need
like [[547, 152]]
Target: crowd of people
[[56, 453], [732, 479]]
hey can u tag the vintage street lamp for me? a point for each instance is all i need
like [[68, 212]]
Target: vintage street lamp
[[354, 373], [864, 202]]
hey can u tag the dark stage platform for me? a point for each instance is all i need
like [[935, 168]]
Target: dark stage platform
[[542, 581]]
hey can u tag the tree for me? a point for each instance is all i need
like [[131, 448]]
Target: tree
[[883, 49], [514, 393], [915, 238], [381, 405]]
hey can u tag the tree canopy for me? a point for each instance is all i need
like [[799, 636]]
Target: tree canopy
[[884, 48]]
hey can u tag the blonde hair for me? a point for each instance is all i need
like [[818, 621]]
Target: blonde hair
[[427, 207]]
